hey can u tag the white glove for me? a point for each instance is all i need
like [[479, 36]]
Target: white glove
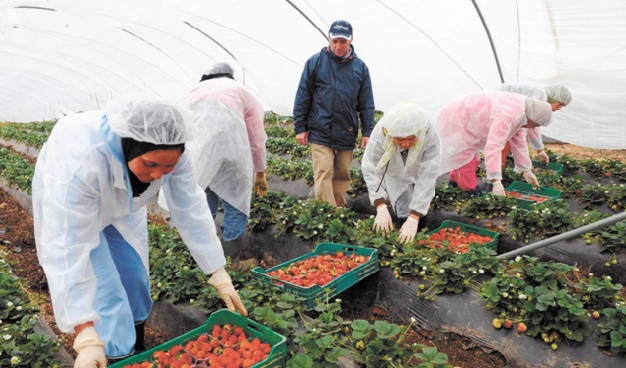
[[408, 230], [543, 157], [531, 178], [90, 349], [498, 189], [383, 220], [224, 285]]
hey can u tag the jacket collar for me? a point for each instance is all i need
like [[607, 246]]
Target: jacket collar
[[336, 58]]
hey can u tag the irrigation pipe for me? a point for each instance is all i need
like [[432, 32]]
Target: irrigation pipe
[[565, 236]]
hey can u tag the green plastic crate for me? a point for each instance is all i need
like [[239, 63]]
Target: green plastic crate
[[337, 285], [528, 190], [493, 245], [276, 358], [551, 166]]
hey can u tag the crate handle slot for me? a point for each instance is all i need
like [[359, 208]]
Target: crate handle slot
[[254, 327]]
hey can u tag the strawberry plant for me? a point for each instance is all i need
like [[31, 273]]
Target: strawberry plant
[[570, 187], [617, 197], [357, 183], [317, 220], [22, 134], [613, 329], [366, 237], [488, 206], [174, 274], [538, 294], [593, 167], [597, 292], [264, 210], [279, 132], [289, 169], [21, 345], [448, 197], [543, 221], [458, 273], [16, 169], [593, 196], [587, 218], [288, 146], [613, 237], [322, 342], [570, 164], [615, 169], [548, 178], [357, 154]]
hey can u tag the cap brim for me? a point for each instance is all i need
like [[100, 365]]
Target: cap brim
[[349, 38]]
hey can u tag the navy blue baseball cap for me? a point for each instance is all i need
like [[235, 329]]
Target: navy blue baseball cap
[[340, 29]]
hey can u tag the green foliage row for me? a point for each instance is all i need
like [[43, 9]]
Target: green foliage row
[[31, 134], [16, 169], [20, 345]]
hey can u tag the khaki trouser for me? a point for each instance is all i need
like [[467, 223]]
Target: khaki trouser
[[331, 174]]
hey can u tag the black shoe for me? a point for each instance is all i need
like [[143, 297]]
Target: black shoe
[[140, 345]]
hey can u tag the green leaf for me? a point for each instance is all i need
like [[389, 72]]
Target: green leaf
[[300, 361], [386, 330]]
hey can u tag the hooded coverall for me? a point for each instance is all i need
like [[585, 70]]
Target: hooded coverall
[[91, 233]]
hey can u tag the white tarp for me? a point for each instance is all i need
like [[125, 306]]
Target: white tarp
[[61, 56]]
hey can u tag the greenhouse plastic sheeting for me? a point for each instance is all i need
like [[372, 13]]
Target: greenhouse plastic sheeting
[[62, 56]]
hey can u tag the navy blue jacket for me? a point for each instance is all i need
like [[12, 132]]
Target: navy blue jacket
[[331, 93]]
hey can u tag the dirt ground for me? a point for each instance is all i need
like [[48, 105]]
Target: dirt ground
[[18, 245], [583, 153]]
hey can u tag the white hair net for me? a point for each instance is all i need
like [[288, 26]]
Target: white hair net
[[403, 120], [150, 120], [559, 93], [538, 111], [220, 68]]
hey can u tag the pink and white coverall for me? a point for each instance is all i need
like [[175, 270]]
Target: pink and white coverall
[[483, 121]]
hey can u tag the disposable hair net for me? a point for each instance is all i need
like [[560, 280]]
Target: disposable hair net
[[151, 120], [220, 68], [559, 93], [403, 120], [538, 111]]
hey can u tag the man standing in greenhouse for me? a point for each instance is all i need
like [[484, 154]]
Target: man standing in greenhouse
[[93, 179], [228, 148], [557, 96], [400, 164], [486, 121], [335, 90]]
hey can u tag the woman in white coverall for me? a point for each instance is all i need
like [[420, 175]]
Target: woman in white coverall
[[485, 121], [92, 181], [400, 164]]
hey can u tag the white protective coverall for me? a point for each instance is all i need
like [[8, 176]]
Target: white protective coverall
[[229, 139], [80, 188], [486, 120], [410, 186]]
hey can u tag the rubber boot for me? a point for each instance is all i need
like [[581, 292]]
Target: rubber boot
[[140, 344], [232, 249]]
